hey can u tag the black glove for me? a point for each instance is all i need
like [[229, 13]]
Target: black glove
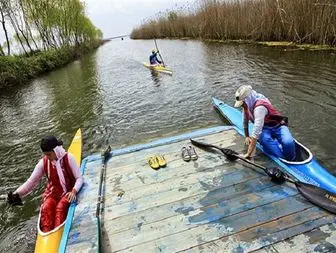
[[277, 176], [14, 199]]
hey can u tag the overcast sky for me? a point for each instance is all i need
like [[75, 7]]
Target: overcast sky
[[119, 17]]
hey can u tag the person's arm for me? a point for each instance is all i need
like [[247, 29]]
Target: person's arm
[[246, 131], [259, 118], [32, 182], [78, 176]]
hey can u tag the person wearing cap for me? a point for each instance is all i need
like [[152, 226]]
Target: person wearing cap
[[270, 127], [153, 60], [64, 180]]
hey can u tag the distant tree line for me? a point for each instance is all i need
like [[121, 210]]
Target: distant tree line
[[37, 25]]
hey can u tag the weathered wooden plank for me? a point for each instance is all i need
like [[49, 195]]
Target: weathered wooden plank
[[212, 223], [208, 174], [128, 171], [228, 137], [266, 234], [83, 235], [322, 239], [185, 206], [176, 168], [175, 194], [139, 174]]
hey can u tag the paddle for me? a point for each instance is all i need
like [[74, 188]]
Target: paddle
[[105, 156], [159, 52], [316, 195]]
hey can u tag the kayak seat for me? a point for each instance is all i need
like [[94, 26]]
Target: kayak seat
[[303, 154]]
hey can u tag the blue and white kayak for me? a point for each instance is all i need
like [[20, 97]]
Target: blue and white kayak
[[305, 168]]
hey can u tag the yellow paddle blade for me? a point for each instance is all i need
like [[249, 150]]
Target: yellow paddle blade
[[76, 146]]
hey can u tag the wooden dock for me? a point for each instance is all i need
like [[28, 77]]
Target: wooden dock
[[207, 205]]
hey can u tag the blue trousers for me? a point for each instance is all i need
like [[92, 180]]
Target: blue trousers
[[278, 142]]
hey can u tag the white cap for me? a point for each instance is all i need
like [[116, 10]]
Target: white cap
[[242, 93]]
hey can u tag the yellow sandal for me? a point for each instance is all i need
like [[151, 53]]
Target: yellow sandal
[[162, 160], [153, 162]]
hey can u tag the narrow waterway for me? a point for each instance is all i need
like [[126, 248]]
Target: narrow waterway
[[117, 101]]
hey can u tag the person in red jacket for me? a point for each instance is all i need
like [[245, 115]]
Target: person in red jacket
[[270, 128], [64, 180]]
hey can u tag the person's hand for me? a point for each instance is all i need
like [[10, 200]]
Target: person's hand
[[71, 196], [14, 199], [247, 141]]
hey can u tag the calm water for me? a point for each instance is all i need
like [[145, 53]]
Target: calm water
[[116, 101]]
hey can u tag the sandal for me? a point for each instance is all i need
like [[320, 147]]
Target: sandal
[[153, 162], [192, 153], [185, 154], [161, 160]]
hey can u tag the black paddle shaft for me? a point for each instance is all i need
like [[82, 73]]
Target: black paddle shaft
[[277, 176], [158, 51], [105, 156], [316, 195]]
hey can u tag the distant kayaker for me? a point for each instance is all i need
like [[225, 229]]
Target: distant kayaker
[[64, 180], [153, 60], [270, 127]]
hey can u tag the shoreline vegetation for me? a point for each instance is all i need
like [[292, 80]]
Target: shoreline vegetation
[[42, 35], [293, 24]]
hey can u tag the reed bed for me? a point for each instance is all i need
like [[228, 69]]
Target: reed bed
[[298, 21]]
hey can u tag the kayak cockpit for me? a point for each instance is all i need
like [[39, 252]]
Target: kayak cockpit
[[303, 155]]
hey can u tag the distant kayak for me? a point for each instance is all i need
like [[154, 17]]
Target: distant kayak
[[158, 68]]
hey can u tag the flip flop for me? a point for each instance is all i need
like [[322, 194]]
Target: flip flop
[[161, 160], [153, 162], [185, 154], [192, 153]]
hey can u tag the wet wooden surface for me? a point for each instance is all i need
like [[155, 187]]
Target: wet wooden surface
[[208, 205]]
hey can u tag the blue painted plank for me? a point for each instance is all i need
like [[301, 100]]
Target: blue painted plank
[[203, 233], [187, 205], [266, 234]]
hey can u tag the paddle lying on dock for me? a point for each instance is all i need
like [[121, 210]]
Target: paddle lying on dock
[[316, 195], [105, 156]]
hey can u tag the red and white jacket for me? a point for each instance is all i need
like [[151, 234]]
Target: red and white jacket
[[62, 175]]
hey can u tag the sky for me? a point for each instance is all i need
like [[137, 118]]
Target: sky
[[119, 17]]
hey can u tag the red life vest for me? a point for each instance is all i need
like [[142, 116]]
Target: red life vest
[[54, 186], [273, 117]]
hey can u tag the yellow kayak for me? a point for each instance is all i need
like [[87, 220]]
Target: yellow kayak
[[158, 68], [49, 242]]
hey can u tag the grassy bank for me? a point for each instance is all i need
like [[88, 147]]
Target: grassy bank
[[20, 69], [296, 21]]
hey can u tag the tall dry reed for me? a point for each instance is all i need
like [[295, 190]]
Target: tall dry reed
[[300, 21]]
